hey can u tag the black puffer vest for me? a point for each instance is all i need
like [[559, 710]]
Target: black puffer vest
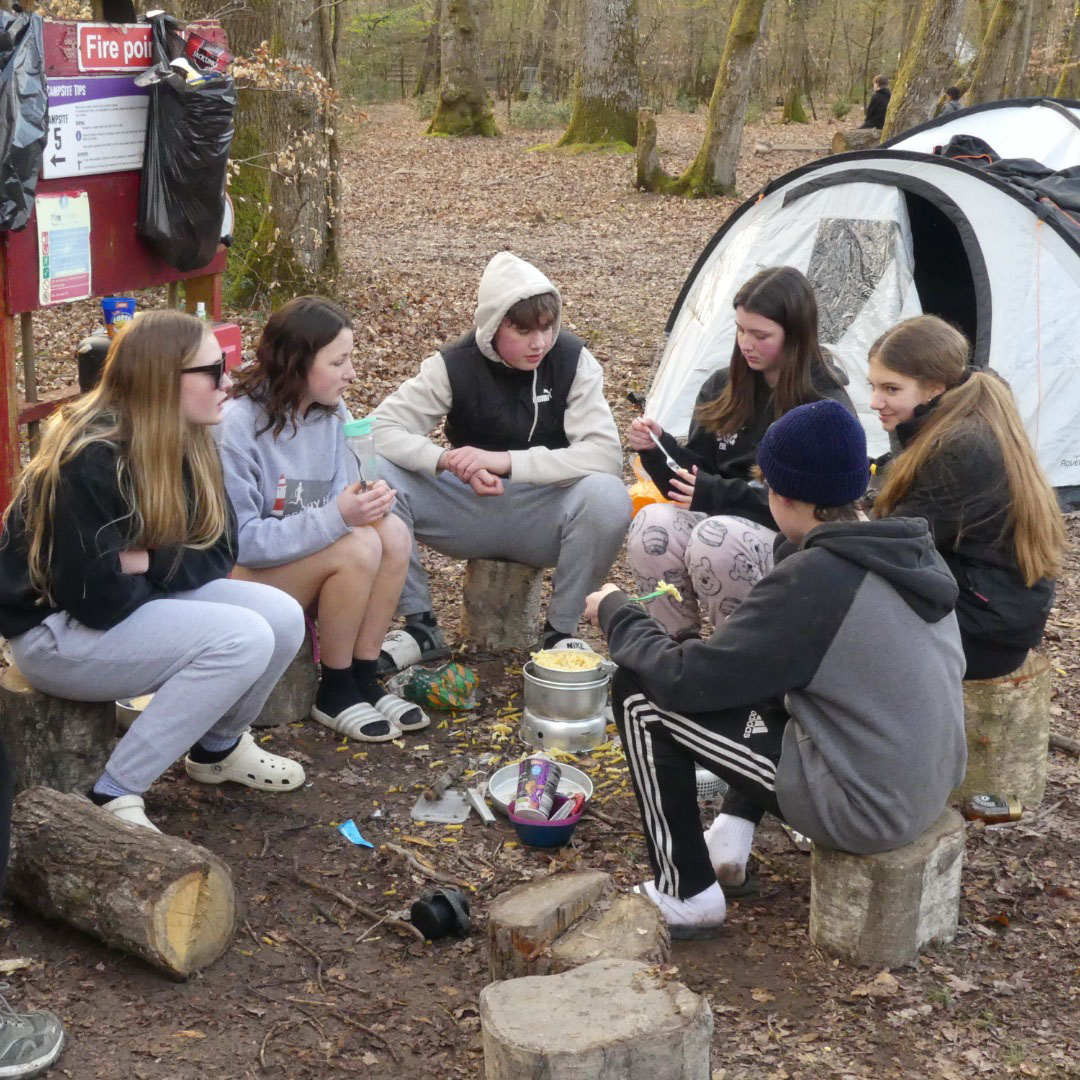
[[493, 406]]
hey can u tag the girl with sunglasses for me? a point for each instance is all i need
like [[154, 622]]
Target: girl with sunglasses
[[114, 571], [330, 543]]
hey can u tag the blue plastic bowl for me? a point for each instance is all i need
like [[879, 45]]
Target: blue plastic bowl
[[545, 833]]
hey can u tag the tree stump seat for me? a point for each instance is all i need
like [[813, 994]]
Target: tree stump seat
[[294, 693], [51, 741], [501, 604], [1007, 722], [606, 1020], [883, 909]]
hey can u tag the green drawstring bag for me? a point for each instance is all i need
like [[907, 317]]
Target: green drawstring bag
[[447, 686]]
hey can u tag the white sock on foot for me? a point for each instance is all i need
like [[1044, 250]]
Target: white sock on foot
[[704, 909], [729, 840]]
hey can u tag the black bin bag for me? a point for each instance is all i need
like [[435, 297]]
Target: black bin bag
[[189, 130], [24, 107]]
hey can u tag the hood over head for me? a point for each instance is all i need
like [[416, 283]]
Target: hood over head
[[901, 551], [506, 280]]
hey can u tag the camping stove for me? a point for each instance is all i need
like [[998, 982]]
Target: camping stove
[[561, 715]]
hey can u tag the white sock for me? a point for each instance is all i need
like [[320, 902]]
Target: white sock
[[729, 840], [706, 908]]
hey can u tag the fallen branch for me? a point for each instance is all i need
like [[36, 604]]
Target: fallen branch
[[432, 873], [399, 925], [1070, 746]]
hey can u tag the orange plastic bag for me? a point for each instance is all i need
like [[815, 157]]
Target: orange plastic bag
[[643, 491]]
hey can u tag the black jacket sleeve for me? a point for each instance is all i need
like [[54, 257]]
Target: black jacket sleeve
[[719, 495], [178, 569], [773, 643], [90, 527]]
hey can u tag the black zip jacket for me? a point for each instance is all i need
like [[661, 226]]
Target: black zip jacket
[[724, 458], [963, 494], [91, 526]]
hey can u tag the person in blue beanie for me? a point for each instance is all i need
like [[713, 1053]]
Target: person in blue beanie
[[831, 698]]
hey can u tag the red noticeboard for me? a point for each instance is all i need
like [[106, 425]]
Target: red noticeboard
[[120, 261]]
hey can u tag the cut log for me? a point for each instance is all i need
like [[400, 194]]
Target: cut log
[[883, 909], [855, 139], [608, 1020], [157, 897], [524, 921], [629, 928], [294, 693], [1007, 721], [647, 159], [502, 604], [52, 741]]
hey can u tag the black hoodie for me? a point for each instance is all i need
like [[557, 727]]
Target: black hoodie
[[854, 632]]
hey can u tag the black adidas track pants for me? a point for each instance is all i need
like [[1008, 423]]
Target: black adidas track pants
[[742, 746]]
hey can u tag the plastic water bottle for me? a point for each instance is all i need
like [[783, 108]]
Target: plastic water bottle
[[360, 439], [200, 311]]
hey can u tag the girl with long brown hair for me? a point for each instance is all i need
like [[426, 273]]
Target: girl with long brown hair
[[966, 465], [330, 543], [114, 564], [701, 542]]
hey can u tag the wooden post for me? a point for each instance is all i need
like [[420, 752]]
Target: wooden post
[[30, 386], [207, 289], [9, 407]]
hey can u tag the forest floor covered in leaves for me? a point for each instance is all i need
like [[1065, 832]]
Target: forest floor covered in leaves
[[309, 988]]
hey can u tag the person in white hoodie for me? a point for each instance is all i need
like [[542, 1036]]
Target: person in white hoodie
[[532, 473]]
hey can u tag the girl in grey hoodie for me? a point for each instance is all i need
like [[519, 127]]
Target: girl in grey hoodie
[[303, 526]]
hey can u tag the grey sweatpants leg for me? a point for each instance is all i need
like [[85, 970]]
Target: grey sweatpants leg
[[211, 656], [577, 528]]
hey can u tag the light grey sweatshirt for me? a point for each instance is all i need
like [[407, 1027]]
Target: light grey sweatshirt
[[284, 489], [407, 417]]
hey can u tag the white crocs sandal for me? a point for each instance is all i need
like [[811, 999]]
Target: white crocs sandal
[[353, 721], [249, 765], [406, 715], [129, 808]]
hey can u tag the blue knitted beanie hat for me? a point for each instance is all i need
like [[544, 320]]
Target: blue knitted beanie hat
[[817, 454]]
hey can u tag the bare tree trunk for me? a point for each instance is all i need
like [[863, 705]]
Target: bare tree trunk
[[551, 76], [464, 106], [1016, 80], [911, 13], [431, 65], [926, 66], [798, 64], [1070, 68], [713, 170], [608, 92], [988, 81], [986, 9], [283, 189]]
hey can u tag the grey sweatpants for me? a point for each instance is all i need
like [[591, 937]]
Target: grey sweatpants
[[577, 528], [211, 656]]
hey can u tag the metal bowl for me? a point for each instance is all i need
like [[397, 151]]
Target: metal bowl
[[603, 670], [502, 785], [128, 709]]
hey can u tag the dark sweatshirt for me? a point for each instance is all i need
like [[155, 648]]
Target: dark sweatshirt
[[90, 527], [854, 633], [877, 108], [963, 493]]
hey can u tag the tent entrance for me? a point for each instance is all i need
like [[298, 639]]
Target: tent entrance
[[942, 272]]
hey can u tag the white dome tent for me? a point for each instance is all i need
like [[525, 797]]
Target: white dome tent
[[889, 233]]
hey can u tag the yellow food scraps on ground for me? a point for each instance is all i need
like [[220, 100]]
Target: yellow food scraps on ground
[[567, 659]]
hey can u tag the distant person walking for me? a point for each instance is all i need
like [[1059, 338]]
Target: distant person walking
[[878, 105]]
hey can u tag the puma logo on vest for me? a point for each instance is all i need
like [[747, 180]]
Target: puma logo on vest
[[544, 395]]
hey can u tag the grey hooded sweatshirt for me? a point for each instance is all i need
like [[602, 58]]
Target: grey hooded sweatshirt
[[855, 633], [405, 419]]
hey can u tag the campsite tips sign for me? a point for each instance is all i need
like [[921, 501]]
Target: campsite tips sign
[[96, 125]]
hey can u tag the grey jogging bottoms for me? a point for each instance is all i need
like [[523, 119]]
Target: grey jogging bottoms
[[211, 656]]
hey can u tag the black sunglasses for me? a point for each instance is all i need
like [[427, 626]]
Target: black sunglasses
[[216, 370]]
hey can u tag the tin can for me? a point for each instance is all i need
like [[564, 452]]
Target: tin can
[[538, 780], [993, 809]]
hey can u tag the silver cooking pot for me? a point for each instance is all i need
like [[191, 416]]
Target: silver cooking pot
[[604, 670], [564, 715]]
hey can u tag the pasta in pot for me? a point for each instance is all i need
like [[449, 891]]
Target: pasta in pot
[[567, 659]]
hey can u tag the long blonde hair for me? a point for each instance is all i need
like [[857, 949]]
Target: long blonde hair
[[136, 408], [930, 350]]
